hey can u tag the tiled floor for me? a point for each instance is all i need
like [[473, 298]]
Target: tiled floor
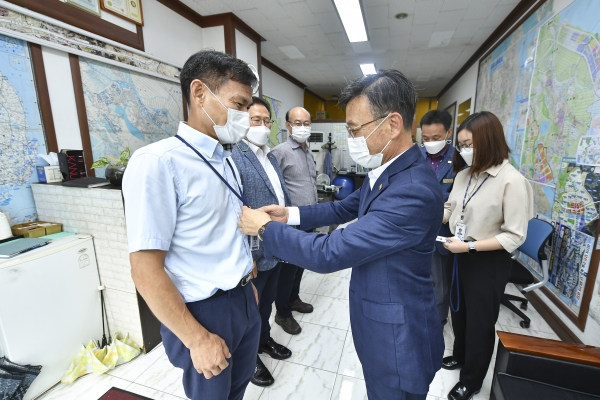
[[324, 365]]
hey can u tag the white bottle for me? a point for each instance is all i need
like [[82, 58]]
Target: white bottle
[[5, 231]]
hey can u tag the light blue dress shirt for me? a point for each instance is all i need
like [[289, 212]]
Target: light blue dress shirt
[[174, 202]]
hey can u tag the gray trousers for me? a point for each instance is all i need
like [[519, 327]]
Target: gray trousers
[[441, 283]]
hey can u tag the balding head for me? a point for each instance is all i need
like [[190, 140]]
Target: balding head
[[297, 116]]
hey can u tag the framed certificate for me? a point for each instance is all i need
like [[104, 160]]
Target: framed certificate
[[127, 9], [91, 6]]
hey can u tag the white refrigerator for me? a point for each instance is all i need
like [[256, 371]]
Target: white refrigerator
[[49, 307]]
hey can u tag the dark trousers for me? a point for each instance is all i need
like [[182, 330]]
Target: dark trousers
[[378, 391], [482, 278], [266, 285], [234, 317], [288, 288], [441, 285]]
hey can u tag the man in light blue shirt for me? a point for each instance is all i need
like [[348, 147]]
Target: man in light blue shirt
[[183, 196]]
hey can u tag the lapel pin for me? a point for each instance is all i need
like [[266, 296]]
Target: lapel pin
[[380, 186]]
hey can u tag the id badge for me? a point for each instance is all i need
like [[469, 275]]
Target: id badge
[[461, 231], [254, 242]]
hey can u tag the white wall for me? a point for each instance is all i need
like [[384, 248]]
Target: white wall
[[62, 98], [246, 49], [214, 38], [169, 36], [280, 88]]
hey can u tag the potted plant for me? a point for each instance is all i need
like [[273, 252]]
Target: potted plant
[[115, 168]]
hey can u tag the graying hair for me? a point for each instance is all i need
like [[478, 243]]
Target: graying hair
[[387, 91]]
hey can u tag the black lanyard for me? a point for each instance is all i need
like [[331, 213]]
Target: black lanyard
[[465, 200], [239, 195]]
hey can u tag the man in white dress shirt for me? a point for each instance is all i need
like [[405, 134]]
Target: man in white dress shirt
[[189, 262]]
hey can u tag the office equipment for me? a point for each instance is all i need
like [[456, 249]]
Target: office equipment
[[20, 246], [49, 306]]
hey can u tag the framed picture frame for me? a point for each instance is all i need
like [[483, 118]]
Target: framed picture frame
[[90, 6], [130, 10]]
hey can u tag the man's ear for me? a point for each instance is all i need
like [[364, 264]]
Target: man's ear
[[197, 92], [396, 125]]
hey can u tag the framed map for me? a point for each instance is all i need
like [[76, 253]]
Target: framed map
[[505, 77], [126, 109], [21, 133]]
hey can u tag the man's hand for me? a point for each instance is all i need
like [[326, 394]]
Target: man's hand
[[277, 213], [251, 220], [456, 246], [210, 355], [255, 292]]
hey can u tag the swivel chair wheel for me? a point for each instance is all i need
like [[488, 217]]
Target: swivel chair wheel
[[524, 324], [524, 306]]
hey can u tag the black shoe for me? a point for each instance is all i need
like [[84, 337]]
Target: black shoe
[[275, 350], [288, 324], [261, 377], [301, 307], [450, 363], [460, 392]]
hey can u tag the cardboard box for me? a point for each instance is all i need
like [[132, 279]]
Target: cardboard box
[[49, 174], [36, 229]]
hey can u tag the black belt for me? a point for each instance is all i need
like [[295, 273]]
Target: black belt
[[243, 282]]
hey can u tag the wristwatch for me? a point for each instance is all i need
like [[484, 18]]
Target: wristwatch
[[261, 230], [472, 249]]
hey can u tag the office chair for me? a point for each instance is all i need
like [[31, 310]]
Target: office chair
[[538, 233]]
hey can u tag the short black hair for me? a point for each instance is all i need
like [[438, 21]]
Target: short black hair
[[437, 117], [214, 68], [262, 102], [387, 91]]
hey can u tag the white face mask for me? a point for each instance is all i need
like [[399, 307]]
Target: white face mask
[[467, 155], [258, 135], [301, 133], [359, 151], [236, 127]]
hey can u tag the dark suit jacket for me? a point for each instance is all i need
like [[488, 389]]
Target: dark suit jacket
[[396, 328], [445, 176], [258, 189]]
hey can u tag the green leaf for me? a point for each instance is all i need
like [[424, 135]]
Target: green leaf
[[124, 158], [101, 163]]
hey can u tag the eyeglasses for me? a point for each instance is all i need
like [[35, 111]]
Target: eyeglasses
[[257, 121], [352, 131], [459, 146], [300, 123]]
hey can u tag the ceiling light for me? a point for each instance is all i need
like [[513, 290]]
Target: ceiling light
[[368, 69], [401, 16], [292, 52], [350, 12]]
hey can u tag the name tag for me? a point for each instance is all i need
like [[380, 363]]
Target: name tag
[[448, 181]]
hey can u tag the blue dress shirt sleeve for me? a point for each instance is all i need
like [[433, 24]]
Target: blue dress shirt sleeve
[[150, 197]]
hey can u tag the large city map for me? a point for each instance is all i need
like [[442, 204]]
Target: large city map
[[126, 109], [564, 115], [21, 134], [278, 128], [505, 76]]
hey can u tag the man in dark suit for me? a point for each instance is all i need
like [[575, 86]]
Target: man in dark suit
[[395, 324], [263, 184], [438, 151]]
